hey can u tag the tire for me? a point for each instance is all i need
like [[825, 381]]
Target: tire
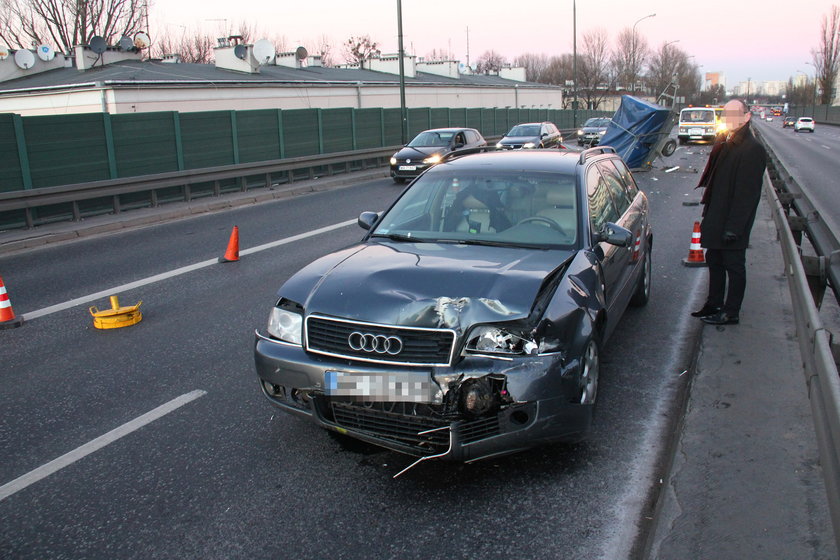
[[682, 141], [669, 148], [590, 369], [399, 180], [642, 294]]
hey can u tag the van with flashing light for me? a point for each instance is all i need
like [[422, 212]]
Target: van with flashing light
[[697, 124]]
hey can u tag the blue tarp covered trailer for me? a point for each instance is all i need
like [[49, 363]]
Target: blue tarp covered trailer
[[639, 130]]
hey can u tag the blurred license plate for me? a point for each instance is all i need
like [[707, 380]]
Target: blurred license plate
[[384, 387], [696, 132], [408, 168]]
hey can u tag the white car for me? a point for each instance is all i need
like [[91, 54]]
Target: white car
[[804, 123]]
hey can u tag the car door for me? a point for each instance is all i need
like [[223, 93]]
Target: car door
[[613, 259]]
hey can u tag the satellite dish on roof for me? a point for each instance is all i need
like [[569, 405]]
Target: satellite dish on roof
[[24, 59], [4, 52], [45, 52], [300, 53], [126, 44], [263, 51], [240, 51], [141, 40], [98, 44]]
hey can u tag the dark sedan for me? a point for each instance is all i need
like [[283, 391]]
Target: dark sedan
[[592, 131], [531, 135], [428, 147], [468, 322]]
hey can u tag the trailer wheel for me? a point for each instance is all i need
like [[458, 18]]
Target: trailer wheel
[[669, 148]]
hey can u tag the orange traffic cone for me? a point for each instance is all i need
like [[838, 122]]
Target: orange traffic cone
[[232, 253], [696, 256], [7, 315]]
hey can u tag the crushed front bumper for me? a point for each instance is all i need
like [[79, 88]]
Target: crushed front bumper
[[543, 407]]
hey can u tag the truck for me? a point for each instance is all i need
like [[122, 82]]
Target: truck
[[697, 124]]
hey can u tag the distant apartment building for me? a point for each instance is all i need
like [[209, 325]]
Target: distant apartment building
[[714, 79]]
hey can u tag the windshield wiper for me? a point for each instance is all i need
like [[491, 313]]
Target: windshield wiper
[[398, 237], [491, 243]]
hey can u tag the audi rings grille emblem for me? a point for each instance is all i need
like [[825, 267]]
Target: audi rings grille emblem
[[375, 343]]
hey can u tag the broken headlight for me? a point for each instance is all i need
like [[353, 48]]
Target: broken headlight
[[285, 325], [487, 339]]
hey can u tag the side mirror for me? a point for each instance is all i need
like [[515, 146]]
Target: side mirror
[[367, 219], [614, 234]]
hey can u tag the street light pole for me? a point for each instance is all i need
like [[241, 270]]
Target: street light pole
[[403, 116], [574, 64], [633, 51]]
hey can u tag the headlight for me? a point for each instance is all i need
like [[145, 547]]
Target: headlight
[[529, 145], [432, 159], [499, 145], [580, 132], [495, 340], [285, 325], [602, 132], [393, 161]]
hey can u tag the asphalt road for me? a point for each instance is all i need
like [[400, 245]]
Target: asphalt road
[[219, 473]]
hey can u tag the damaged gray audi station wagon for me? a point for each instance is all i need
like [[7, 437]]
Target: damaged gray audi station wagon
[[469, 320]]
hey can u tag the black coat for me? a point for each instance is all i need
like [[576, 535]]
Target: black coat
[[733, 180]]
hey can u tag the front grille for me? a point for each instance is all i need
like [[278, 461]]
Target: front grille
[[393, 425], [427, 347]]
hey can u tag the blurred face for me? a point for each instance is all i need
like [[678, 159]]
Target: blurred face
[[735, 114]]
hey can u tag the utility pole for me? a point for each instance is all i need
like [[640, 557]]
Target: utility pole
[[403, 115]]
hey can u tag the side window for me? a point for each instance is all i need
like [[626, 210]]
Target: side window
[[615, 186], [601, 208], [472, 137], [629, 181]]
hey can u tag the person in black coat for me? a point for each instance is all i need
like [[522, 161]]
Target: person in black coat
[[732, 179]]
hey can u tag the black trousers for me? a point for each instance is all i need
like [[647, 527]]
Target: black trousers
[[727, 265]]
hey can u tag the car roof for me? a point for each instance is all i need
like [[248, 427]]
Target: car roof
[[448, 129], [553, 161]]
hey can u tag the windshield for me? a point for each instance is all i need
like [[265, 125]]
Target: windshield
[[525, 130], [517, 208], [597, 123], [697, 116], [431, 138]]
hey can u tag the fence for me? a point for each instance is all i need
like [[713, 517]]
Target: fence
[[71, 150], [825, 114]]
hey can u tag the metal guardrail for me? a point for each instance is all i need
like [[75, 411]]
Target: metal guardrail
[[815, 341], [73, 194]]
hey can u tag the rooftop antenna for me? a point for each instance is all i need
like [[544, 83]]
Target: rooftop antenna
[[468, 45]]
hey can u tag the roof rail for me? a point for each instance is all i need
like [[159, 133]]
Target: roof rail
[[467, 151], [596, 151]]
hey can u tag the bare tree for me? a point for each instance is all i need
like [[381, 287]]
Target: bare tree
[[66, 23], [593, 69], [359, 49], [490, 61], [535, 65], [671, 63], [826, 56], [629, 58], [191, 47], [323, 47], [559, 70]]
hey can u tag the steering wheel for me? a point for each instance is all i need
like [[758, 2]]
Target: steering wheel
[[547, 221]]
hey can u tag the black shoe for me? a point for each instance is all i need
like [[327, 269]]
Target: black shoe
[[706, 311], [720, 318]]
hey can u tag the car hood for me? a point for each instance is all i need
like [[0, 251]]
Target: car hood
[[520, 139], [424, 284], [420, 152]]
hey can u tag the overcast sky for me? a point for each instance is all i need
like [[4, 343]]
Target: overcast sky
[[757, 39]]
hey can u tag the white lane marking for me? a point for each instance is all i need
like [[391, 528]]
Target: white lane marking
[[67, 459], [172, 273]]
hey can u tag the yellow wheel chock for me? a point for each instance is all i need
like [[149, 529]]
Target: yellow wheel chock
[[116, 317]]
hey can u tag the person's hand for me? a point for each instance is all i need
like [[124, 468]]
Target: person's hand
[[729, 238]]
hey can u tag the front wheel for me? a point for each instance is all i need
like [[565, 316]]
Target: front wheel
[[590, 369], [669, 148]]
